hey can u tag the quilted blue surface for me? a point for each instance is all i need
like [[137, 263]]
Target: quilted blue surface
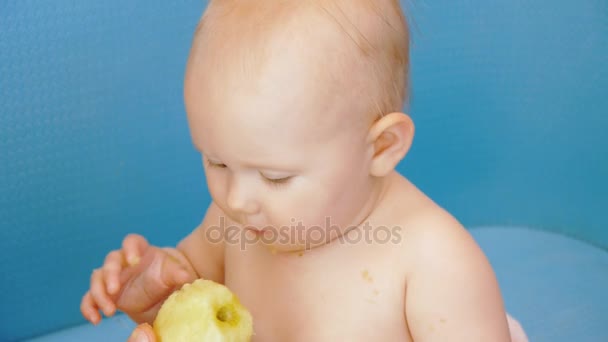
[[554, 285], [508, 97], [115, 329]]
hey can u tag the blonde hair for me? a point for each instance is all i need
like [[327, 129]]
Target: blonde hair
[[375, 48]]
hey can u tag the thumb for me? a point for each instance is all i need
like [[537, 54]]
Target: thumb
[[174, 271], [142, 333]]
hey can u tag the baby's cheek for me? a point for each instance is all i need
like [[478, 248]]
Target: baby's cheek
[[317, 208], [290, 208], [285, 211]]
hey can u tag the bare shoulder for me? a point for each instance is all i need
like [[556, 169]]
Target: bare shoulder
[[451, 290], [204, 247], [432, 234], [435, 236]]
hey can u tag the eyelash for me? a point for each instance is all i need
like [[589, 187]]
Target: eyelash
[[273, 182], [219, 166], [277, 182]]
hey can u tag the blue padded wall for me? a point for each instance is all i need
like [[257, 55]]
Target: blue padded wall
[[93, 144], [509, 100]]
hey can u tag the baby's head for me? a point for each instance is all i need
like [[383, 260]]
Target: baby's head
[[295, 106]]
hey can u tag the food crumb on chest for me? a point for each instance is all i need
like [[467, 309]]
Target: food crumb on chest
[[366, 276]]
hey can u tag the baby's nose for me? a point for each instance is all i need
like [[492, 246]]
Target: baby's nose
[[242, 199]]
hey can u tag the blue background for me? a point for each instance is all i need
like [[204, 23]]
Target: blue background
[[510, 101]]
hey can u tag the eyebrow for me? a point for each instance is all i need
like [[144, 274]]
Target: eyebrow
[[261, 168], [271, 168]]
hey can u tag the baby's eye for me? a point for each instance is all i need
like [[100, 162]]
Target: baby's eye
[[277, 181], [218, 165]]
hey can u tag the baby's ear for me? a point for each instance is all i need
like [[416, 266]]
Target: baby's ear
[[391, 137]]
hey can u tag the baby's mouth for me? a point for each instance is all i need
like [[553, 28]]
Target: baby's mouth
[[257, 229]]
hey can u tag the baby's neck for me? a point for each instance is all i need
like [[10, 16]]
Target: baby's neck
[[379, 193]]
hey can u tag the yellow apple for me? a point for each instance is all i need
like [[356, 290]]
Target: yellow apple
[[203, 311]]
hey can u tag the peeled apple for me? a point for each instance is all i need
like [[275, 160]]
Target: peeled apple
[[203, 311]]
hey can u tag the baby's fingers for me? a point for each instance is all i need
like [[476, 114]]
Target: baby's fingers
[[173, 273], [143, 333], [134, 246], [89, 309], [98, 292], [112, 266]]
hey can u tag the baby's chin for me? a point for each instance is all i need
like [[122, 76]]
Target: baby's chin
[[291, 250], [284, 242]]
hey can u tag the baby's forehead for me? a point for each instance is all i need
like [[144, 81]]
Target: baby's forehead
[[267, 136], [295, 114]]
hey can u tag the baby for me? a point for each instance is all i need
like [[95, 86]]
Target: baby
[[295, 107]]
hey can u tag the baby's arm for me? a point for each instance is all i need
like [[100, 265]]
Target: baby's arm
[[453, 294], [205, 256]]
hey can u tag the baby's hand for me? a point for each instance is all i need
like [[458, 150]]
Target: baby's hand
[[136, 280]]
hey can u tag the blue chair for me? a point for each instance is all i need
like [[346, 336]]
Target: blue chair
[[509, 100]]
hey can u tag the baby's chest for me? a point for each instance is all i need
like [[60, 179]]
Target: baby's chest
[[310, 301]]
